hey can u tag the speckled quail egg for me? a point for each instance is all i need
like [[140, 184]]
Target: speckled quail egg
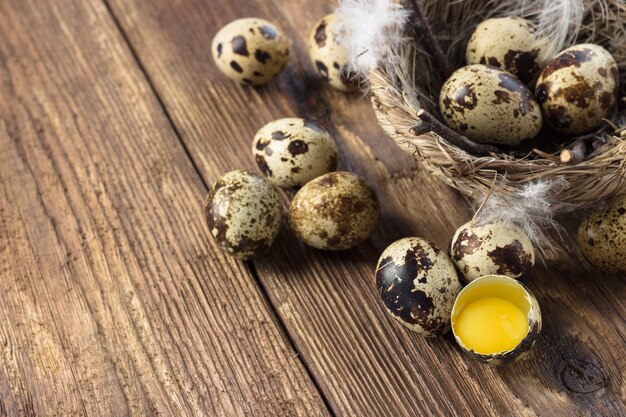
[[243, 212], [291, 152], [335, 211], [489, 105], [418, 284], [578, 88], [508, 43], [494, 248], [329, 57], [602, 236], [506, 310], [250, 50]]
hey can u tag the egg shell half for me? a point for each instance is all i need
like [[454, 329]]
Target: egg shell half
[[494, 248], [508, 43], [250, 50], [602, 237], [578, 88], [244, 213], [491, 285], [418, 284], [489, 105], [329, 57], [335, 211], [290, 152]]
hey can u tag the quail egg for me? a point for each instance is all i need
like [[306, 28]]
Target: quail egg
[[508, 43], [417, 284], [243, 212], [335, 211], [489, 105], [250, 50], [496, 319], [602, 237], [291, 152], [494, 248], [578, 88], [329, 57]]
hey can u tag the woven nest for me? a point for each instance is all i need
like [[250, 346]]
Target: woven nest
[[410, 83]]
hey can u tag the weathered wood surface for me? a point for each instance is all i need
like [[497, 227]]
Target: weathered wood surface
[[364, 363], [115, 301]]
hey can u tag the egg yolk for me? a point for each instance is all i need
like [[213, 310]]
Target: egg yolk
[[491, 325]]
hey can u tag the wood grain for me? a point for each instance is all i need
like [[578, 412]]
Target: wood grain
[[114, 301], [365, 364]]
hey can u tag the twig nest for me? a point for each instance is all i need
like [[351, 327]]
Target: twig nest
[[243, 212], [578, 88], [417, 284], [290, 152], [508, 43], [329, 57], [335, 211], [494, 248], [496, 319], [602, 237], [489, 105], [250, 51]]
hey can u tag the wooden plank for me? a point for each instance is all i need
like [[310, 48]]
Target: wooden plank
[[366, 364], [114, 300]]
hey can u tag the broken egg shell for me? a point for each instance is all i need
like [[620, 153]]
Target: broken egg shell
[[578, 88], [243, 213], [508, 43], [489, 105], [602, 237], [329, 57], [250, 50], [492, 285], [494, 248], [290, 152], [418, 284], [335, 211]]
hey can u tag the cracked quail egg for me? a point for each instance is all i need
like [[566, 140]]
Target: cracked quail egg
[[291, 151], [489, 105], [329, 57], [494, 248], [243, 212], [335, 211], [250, 50], [602, 236], [578, 88], [418, 284], [508, 43]]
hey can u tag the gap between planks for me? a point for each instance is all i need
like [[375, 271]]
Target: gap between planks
[[249, 265]]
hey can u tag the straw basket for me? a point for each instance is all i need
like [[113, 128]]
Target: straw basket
[[400, 91]]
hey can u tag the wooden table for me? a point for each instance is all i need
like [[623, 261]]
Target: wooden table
[[115, 301]]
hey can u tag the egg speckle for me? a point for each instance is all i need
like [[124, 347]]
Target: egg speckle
[[335, 211], [494, 248], [329, 57], [489, 105], [417, 284], [508, 43], [250, 50], [578, 88], [290, 152], [602, 237], [243, 212]]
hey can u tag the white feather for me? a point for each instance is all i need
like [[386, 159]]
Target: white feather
[[558, 22], [372, 28], [529, 208]]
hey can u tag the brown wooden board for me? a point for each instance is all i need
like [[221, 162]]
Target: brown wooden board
[[114, 300], [365, 364]]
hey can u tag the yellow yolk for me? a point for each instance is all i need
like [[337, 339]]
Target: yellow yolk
[[491, 325]]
